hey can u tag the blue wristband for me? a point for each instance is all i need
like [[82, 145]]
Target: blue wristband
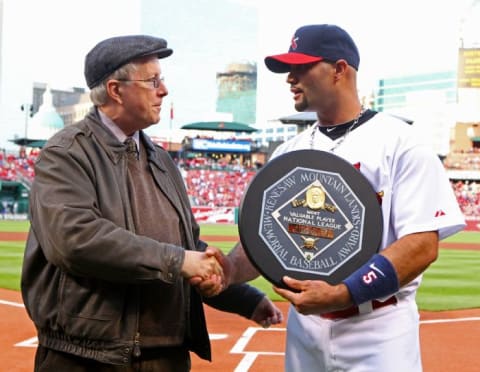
[[376, 279]]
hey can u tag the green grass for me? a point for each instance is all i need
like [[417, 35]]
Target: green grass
[[14, 226], [450, 283], [464, 237], [11, 257], [260, 283], [217, 229]]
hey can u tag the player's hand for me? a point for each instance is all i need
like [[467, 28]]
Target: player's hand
[[209, 287], [266, 313], [201, 264], [314, 296], [214, 284], [226, 265]]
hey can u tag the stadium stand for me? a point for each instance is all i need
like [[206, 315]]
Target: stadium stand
[[468, 197], [463, 160], [18, 168], [215, 188]]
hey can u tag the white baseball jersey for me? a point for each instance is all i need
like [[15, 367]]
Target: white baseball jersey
[[417, 197]]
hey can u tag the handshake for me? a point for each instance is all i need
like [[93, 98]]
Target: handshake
[[211, 272]]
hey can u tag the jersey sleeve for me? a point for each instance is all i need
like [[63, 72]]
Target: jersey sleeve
[[422, 197]]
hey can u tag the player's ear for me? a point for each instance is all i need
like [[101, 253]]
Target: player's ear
[[341, 67]]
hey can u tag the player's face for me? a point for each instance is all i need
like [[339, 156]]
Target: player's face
[[311, 84]]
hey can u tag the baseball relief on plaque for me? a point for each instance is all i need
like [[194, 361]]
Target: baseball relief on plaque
[[309, 222]]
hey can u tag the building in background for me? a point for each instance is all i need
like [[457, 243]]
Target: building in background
[[273, 131], [46, 121], [237, 91], [237, 94], [396, 93], [51, 110], [430, 100], [467, 130], [71, 104]]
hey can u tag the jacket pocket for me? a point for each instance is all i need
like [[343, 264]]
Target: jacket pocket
[[91, 308]]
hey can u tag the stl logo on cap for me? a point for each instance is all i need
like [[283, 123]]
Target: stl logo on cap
[[294, 42]]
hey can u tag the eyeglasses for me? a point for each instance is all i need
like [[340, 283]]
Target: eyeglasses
[[153, 82]]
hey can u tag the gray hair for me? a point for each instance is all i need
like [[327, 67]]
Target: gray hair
[[99, 95]]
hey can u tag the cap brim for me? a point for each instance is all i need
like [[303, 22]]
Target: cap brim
[[282, 62], [165, 52], [160, 53]]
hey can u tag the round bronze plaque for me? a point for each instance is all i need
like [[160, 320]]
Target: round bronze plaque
[[309, 214]]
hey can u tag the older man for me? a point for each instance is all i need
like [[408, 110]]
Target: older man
[[113, 242]]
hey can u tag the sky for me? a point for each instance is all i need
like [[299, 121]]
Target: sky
[[46, 41]]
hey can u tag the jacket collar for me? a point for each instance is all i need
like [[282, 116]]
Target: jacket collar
[[113, 147], [153, 154]]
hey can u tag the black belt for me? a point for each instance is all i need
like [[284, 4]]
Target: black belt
[[148, 353]]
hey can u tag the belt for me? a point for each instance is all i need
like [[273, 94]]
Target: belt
[[170, 352], [362, 309]]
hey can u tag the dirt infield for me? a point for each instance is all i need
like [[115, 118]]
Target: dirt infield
[[13, 236], [449, 341]]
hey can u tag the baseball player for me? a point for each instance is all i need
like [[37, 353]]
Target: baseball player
[[370, 321]]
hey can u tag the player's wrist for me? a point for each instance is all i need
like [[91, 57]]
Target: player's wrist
[[376, 279], [343, 298]]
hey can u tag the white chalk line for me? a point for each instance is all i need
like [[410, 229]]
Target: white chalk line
[[10, 303], [250, 356], [239, 347]]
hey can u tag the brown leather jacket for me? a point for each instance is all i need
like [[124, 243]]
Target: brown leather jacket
[[83, 262]]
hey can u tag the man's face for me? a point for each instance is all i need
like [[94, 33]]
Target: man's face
[[142, 94], [311, 84]]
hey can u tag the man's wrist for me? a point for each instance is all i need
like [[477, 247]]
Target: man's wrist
[[343, 296]]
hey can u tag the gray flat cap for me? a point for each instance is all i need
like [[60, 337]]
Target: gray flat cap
[[111, 54]]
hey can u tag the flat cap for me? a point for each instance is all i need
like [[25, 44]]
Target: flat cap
[[111, 54]]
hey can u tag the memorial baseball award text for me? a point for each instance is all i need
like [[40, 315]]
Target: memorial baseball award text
[[309, 214]]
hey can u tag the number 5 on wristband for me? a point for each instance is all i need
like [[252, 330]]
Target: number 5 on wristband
[[376, 279]]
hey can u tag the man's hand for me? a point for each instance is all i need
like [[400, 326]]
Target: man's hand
[[212, 285], [200, 264], [315, 296], [224, 262], [266, 313]]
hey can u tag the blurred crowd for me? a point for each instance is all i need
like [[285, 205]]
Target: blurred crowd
[[463, 160], [215, 188], [18, 168], [468, 197]]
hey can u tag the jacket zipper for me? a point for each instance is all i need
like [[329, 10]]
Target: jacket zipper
[[136, 346], [131, 227]]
